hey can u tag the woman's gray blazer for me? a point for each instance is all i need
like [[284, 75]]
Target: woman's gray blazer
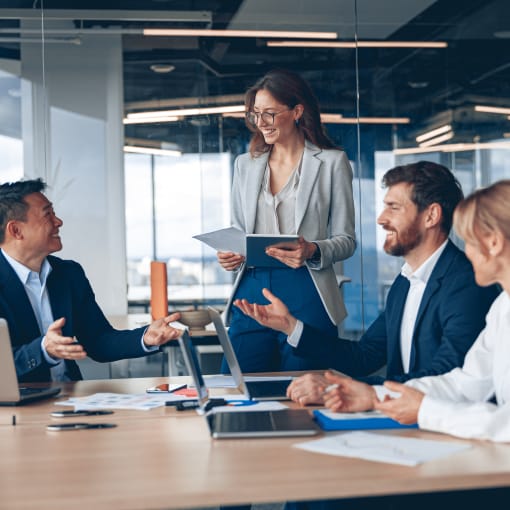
[[324, 214]]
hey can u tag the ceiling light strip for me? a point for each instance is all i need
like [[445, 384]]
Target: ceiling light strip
[[151, 120], [151, 150], [434, 132], [183, 32], [369, 120], [359, 44], [438, 139], [492, 109], [185, 112], [453, 147]]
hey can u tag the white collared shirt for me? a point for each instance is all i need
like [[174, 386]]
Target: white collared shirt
[[417, 282], [276, 213], [37, 293]]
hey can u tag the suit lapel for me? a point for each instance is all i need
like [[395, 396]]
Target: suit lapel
[[394, 311], [309, 172], [60, 297], [251, 192]]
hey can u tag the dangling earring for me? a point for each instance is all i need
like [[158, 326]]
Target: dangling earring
[[297, 122]]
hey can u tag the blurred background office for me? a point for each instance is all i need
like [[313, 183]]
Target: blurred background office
[[133, 113]]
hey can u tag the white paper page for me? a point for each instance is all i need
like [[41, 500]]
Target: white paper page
[[142, 401], [352, 416], [382, 448], [225, 239]]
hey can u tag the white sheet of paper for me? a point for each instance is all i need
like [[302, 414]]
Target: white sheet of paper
[[142, 401], [226, 239], [382, 448]]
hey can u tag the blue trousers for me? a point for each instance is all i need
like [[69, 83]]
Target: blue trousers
[[261, 349]]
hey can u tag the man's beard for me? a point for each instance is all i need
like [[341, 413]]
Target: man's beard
[[405, 241]]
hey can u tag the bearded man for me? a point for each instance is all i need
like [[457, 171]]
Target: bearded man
[[434, 309]]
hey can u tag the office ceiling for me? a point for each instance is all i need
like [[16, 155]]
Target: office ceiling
[[431, 86]]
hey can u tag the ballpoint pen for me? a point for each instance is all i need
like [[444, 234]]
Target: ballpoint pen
[[82, 412], [329, 388], [79, 426]]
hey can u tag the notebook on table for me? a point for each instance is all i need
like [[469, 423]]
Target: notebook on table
[[242, 424], [257, 390], [11, 394]]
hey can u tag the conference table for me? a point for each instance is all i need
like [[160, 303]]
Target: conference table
[[165, 459]]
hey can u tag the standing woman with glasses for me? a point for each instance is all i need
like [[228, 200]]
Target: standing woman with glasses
[[293, 181]]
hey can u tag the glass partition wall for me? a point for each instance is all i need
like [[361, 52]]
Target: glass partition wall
[[134, 115]]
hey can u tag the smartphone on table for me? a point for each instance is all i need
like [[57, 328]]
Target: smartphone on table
[[165, 388]]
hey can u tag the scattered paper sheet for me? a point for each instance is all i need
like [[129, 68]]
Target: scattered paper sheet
[[383, 448], [142, 401], [226, 239]]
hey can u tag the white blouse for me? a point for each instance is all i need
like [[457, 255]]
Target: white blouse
[[457, 402]]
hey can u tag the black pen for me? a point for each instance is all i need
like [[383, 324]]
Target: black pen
[[79, 426], [83, 412]]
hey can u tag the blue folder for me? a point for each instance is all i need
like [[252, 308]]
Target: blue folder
[[357, 421]]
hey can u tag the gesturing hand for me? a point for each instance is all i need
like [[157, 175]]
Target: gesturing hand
[[59, 346], [276, 315], [160, 332]]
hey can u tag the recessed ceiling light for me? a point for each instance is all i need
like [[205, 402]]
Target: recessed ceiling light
[[502, 34], [162, 68]]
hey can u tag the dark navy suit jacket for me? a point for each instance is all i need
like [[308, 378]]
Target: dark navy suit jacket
[[451, 314], [71, 296]]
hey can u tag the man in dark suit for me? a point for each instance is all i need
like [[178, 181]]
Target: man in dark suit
[[48, 302], [434, 309]]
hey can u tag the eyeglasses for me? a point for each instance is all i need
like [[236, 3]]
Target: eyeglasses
[[267, 117]]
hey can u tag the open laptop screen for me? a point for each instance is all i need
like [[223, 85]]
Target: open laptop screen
[[191, 360]]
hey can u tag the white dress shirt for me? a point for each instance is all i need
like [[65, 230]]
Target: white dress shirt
[[276, 213], [417, 282], [457, 402]]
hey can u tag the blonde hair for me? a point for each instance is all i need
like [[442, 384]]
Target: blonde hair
[[484, 211]]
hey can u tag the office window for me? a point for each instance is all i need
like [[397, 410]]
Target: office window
[[168, 200]]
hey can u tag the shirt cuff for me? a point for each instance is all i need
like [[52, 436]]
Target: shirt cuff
[[295, 336], [148, 348], [51, 361]]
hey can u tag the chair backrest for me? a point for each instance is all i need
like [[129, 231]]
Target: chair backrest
[[159, 290]]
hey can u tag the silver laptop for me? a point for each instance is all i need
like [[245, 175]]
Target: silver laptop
[[241, 424], [257, 390], [11, 394]]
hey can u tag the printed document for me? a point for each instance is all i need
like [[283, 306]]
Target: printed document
[[382, 447]]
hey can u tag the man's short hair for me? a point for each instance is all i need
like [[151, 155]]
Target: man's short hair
[[12, 201], [432, 183]]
